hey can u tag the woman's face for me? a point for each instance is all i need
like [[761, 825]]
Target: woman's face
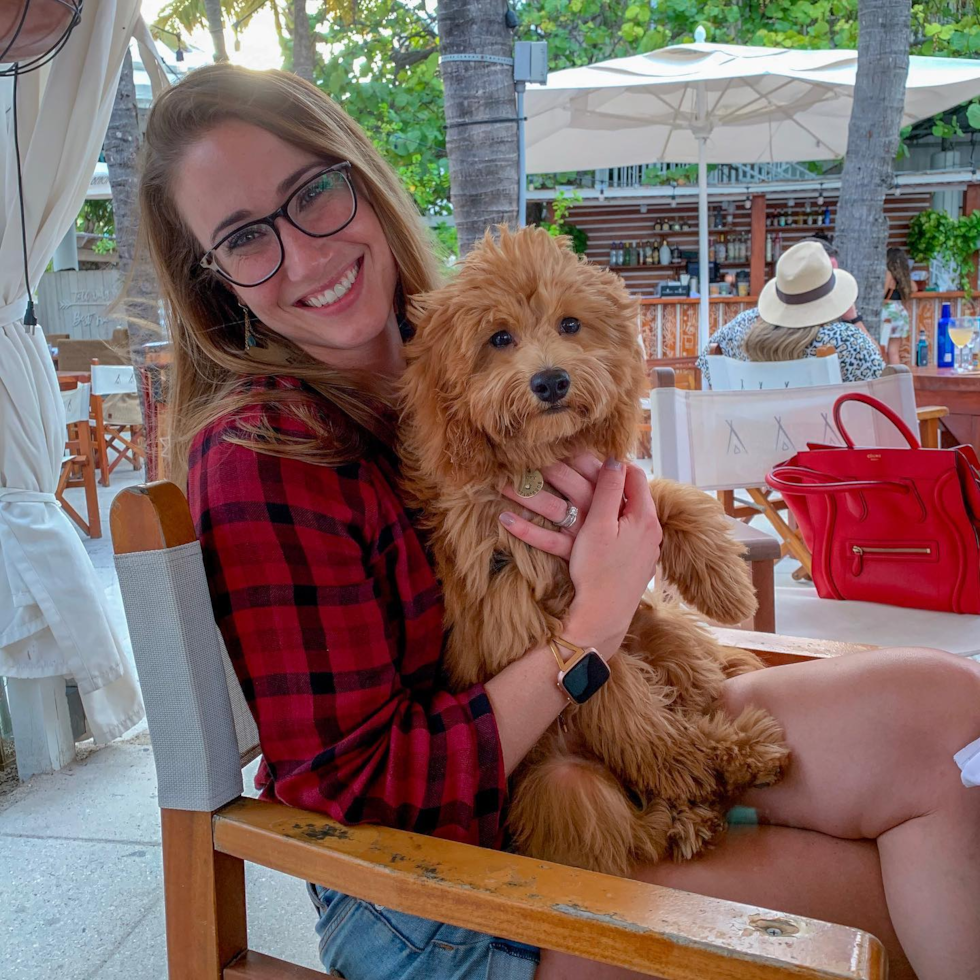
[[242, 170]]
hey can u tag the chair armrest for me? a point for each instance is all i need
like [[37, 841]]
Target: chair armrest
[[659, 931], [776, 650], [927, 412]]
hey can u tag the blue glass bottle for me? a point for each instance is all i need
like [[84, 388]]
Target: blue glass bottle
[[922, 350], [945, 351]]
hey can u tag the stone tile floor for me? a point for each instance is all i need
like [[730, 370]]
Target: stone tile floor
[[80, 867]]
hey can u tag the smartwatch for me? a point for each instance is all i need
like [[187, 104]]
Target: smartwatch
[[583, 674]]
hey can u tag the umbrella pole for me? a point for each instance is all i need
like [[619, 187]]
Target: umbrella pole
[[704, 277]]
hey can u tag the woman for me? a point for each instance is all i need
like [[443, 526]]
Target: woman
[[899, 288], [800, 311], [284, 246]]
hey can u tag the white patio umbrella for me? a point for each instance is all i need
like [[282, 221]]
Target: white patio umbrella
[[716, 103], [54, 616]]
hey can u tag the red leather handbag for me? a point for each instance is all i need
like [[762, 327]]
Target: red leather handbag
[[898, 526]]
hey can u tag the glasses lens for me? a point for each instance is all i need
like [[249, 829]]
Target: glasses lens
[[250, 255], [324, 205]]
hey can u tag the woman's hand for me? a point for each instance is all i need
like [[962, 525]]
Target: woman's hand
[[612, 550], [576, 479]]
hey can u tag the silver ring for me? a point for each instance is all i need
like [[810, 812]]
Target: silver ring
[[571, 516]]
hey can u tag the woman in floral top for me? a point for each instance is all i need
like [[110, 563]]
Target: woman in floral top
[[793, 322]]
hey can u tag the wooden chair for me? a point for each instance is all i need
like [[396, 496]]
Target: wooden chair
[[202, 734], [78, 466], [117, 420]]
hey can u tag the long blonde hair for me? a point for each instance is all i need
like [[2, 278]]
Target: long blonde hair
[[767, 342], [211, 371]]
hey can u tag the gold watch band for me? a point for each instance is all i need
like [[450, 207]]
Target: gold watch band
[[577, 651]]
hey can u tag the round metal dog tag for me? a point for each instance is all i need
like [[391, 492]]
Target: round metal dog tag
[[530, 483]]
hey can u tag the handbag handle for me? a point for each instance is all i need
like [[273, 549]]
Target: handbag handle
[[826, 484], [879, 406]]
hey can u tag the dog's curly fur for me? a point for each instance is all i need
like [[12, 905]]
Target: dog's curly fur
[[649, 764]]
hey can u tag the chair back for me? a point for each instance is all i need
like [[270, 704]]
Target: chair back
[[77, 355], [730, 374], [200, 726], [723, 440], [76, 401], [113, 379]]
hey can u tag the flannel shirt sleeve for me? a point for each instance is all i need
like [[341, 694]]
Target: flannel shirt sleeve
[[334, 626]]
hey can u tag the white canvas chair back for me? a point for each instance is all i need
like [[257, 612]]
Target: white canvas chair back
[[200, 726], [721, 440], [77, 403], [113, 379], [730, 374]]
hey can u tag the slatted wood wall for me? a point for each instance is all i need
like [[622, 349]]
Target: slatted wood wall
[[74, 303]]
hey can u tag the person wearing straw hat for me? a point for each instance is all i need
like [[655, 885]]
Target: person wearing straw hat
[[800, 311]]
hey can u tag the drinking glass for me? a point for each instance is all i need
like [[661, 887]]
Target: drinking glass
[[961, 332]]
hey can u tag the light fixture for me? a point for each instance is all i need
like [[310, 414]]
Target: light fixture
[[180, 51], [602, 192], [673, 194], [898, 188], [238, 42], [643, 209], [748, 201], [820, 195]]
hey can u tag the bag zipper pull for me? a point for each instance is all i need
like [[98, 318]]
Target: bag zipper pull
[[857, 563]]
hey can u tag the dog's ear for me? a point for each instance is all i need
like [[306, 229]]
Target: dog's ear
[[433, 402]]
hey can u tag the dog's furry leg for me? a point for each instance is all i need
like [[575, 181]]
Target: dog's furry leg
[[698, 554], [748, 750], [572, 810], [632, 726]]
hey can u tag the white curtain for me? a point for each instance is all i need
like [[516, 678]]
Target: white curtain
[[54, 616]]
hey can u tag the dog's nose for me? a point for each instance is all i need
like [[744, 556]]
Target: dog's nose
[[551, 385]]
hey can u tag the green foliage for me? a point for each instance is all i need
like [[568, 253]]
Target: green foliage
[[562, 204], [934, 234], [96, 218], [446, 241]]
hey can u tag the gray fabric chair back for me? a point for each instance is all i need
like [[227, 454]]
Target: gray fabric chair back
[[200, 726]]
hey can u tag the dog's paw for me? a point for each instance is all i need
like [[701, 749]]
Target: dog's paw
[[693, 828]]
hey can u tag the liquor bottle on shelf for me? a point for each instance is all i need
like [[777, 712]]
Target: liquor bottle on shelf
[[826, 215], [675, 253], [664, 253], [612, 256], [721, 251], [945, 351], [769, 247], [922, 350]]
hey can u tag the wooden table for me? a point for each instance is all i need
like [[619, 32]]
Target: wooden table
[[960, 393]]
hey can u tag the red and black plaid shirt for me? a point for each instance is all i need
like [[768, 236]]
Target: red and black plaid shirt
[[332, 617]]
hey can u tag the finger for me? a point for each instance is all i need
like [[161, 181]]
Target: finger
[[552, 542], [587, 464], [639, 505], [609, 491], [543, 503], [572, 484]]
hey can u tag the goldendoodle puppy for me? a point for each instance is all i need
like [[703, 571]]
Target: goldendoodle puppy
[[645, 768]]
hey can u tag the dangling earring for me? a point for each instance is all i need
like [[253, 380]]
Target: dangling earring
[[250, 340]]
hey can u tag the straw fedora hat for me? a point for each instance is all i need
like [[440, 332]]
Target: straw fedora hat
[[807, 290]]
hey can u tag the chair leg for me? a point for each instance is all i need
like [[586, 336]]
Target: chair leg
[[763, 581], [727, 500], [792, 538], [88, 477], [204, 896]]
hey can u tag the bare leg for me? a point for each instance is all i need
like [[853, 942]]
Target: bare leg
[[873, 736], [892, 355], [793, 871]]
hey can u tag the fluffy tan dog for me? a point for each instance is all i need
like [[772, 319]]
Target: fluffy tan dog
[[648, 765]]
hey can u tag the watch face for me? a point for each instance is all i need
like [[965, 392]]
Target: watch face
[[586, 677]]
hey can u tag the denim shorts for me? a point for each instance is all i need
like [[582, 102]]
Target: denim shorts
[[361, 941]]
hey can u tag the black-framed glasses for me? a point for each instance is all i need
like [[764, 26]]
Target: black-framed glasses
[[254, 253]]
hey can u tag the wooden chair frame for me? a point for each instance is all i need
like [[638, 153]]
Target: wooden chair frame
[[658, 931], [78, 471], [109, 436]]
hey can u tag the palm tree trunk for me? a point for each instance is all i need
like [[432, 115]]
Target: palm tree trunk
[[302, 41], [217, 28], [141, 303], [482, 155], [872, 141]]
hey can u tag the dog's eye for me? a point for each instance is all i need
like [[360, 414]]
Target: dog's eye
[[569, 325], [501, 339]]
